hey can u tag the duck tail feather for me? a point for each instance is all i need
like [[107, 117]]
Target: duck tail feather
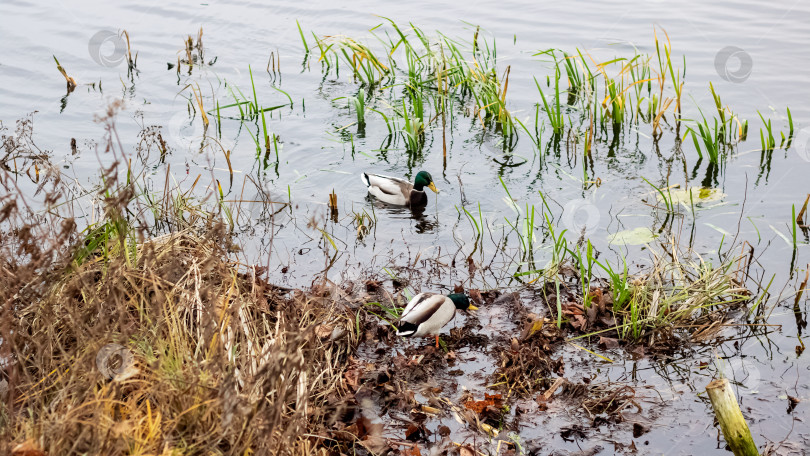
[[407, 329], [366, 179]]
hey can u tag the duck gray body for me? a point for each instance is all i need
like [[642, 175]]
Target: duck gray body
[[427, 313], [399, 192]]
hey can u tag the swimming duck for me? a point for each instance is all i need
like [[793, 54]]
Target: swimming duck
[[393, 190], [427, 313]]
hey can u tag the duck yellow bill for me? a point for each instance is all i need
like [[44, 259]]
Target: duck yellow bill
[[432, 186], [472, 307]]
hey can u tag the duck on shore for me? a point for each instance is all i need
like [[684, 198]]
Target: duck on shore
[[427, 313]]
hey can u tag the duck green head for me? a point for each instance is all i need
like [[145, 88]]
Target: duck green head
[[423, 179], [461, 301]]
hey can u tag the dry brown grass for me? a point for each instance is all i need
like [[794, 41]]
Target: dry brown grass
[[111, 345], [223, 363]]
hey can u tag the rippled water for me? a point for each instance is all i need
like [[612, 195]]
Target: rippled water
[[767, 45]]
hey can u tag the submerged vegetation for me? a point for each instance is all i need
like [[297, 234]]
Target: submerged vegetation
[[585, 97]]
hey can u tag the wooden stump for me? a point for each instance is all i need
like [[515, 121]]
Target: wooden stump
[[333, 207], [735, 430]]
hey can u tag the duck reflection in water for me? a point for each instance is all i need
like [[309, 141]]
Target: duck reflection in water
[[425, 223]]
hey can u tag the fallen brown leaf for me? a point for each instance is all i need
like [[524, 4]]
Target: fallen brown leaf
[[475, 295], [638, 352], [27, 448], [494, 400], [413, 433], [792, 403], [323, 331], [596, 297], [412, 451], [608, 342], [353, 378]]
